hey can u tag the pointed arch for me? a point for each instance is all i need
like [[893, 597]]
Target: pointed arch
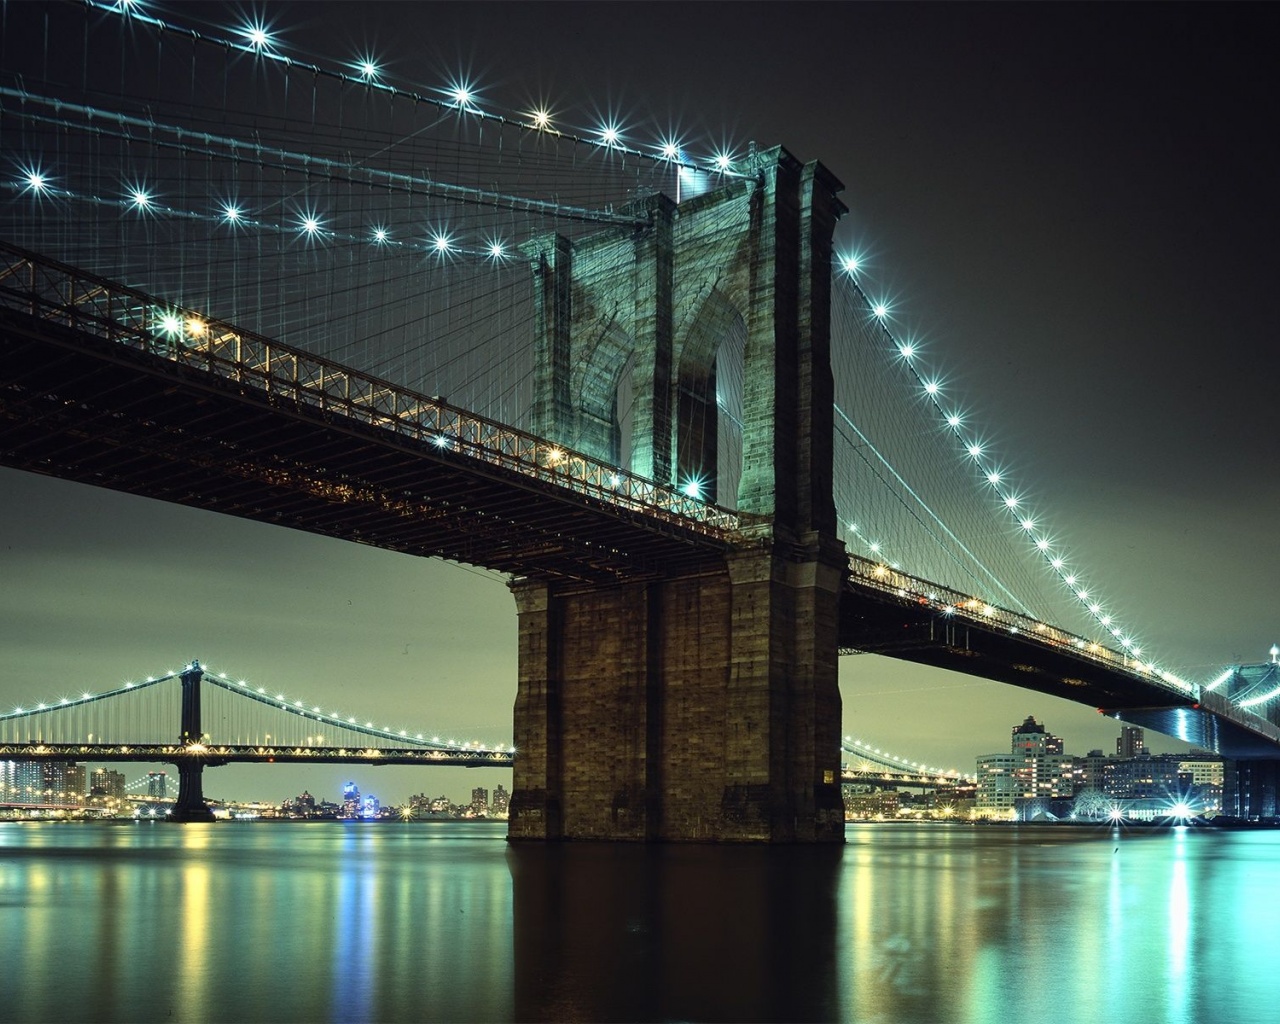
[[700, 385], [596, 378]]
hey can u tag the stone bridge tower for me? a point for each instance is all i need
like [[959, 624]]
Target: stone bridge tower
[[704, 706]]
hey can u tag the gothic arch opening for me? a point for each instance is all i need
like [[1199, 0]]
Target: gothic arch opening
[[708, 421], [603, 427]]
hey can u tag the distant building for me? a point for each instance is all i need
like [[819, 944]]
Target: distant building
[[41, 782], [1131, 742], [1031, 740], [304, 806], [1089, 770], [107, 783], [21, 782], [870, 805], [351, 800], [1145, 777], [479, 807], [422, 804], [1035, 769], [76, 783], [61, 782], [998, 785], [501, 802]]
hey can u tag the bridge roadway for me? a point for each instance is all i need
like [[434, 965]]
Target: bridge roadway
[[94, 387], [212, 755]]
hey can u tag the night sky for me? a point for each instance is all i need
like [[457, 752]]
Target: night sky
[[1075, 206]]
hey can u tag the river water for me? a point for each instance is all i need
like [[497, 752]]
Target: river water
[[443, 921]]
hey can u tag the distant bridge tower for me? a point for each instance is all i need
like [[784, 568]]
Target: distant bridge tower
[[701, 706], [190, 805]]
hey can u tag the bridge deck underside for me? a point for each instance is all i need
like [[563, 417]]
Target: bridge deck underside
[[1213, 725], [81, 408], [873, 622]]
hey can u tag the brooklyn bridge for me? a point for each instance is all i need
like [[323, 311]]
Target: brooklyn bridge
[[645, 385]]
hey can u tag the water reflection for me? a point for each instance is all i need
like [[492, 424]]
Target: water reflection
[[620, 932], [443, 921]]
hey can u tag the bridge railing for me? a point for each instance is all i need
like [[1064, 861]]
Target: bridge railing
[[951, 602], [60, 294]]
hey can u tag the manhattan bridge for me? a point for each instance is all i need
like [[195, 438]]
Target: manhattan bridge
[[639, 380]]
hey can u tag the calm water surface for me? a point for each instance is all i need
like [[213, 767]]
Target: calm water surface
[[442, 921]]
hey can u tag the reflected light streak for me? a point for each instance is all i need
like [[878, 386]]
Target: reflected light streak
[[194, 954], [1179, 929]]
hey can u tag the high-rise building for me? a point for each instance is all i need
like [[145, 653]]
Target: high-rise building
[[76, 783], [351, 800], [1131, 742], [21, 782], [501, 802], [480, 802], [108, 783], [998, 784], [61, 782], [1035, 769], [1030, 739]]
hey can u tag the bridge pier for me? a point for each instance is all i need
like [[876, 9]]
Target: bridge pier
[[190, 805], [703, 708]]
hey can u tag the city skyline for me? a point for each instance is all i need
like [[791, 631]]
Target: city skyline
[[1129, 741], [1060, 202]]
